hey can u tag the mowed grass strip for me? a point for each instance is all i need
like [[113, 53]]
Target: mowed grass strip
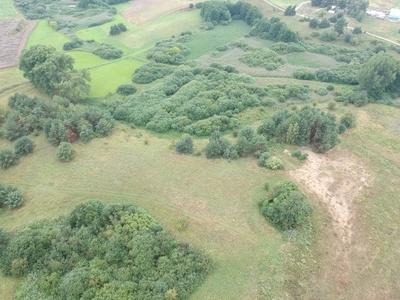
[[86, 59], [108, 77], [43, 34], [7, 11], [207, 41], [217, 197]]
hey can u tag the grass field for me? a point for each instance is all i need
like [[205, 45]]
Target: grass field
[[221, 209], [311, 60], [106, 78], [140, 38], [43, 34], [86, 59], [7, 10], [208, 40]]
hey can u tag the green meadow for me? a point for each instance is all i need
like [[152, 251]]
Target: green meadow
[[208, 40], [106, 78], [43, 34], [7, 10]]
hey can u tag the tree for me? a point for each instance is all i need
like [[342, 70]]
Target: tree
[[285, 206], [378, 73], [23, 146], [65, 152], [185, 145], [340, 25], [74, 86], [114, 29], [314, 23], [290, 11], [324, 23], [217, 146], [53, 71], [357, 30]]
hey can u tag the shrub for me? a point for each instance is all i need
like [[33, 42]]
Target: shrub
[[10, 196], [267, 129], [274, 163], [126, 89], [348, 119], [330, 87], [107, 51], [286, 207], [185, 145], [23, 146], [8, 159], [341, 128], [324, 23], [331, 105], [321, 92], [303, 74], [296, 153], [218, 146], [65, 152], [347, 38], [262, 158], [328, 36]]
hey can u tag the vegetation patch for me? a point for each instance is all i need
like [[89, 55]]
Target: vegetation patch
[[119, 252], [259, 57]]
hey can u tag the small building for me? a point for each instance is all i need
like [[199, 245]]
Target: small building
[[394, 13]]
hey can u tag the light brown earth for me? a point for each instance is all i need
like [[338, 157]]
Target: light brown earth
[[143, 11], [13, 42]]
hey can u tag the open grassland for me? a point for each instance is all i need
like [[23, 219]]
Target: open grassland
[[208, 40], [7, 10], [43, 34], [140, 38], [11, 78], [218, 198], [106, 78], [311, 60]]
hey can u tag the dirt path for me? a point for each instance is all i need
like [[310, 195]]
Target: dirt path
[[13, 44], [337, 178]]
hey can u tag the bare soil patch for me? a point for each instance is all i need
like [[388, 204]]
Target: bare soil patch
[[337, 178], [12, 43], [143, 11]]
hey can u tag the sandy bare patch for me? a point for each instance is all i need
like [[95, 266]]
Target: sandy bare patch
[[143, 11], [13, 44], [337, 178]]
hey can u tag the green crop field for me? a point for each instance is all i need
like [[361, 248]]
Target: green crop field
[[43, 34], [7, 10], [108, 77]]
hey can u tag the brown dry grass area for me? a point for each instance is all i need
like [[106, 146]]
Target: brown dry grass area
[[13, 44], [143, 11]]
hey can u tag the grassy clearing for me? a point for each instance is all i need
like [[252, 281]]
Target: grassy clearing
[[9, 78], [140, 38], [286, 3], [311, 60], [85, 59], [7, 10], [108, 77], [218, 197], [43, 34], [207, 41]]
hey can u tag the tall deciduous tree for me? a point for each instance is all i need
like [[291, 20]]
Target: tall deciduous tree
[[54, 72], [378, 73]]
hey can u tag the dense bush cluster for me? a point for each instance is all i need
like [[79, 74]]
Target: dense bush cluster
[[215, 11], [65, 152], [185, 145], [307, 126], [283, 92], [126, 89], [61, 121], [76, 43], [8, 158], [107, 51], [286, 206], [191, 100], [346, 74], [54, 72], [169, 52], [117, 28], [98, 251], [259, 57], [273, 29], [151, 72], [285, 48], [10, 197]]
